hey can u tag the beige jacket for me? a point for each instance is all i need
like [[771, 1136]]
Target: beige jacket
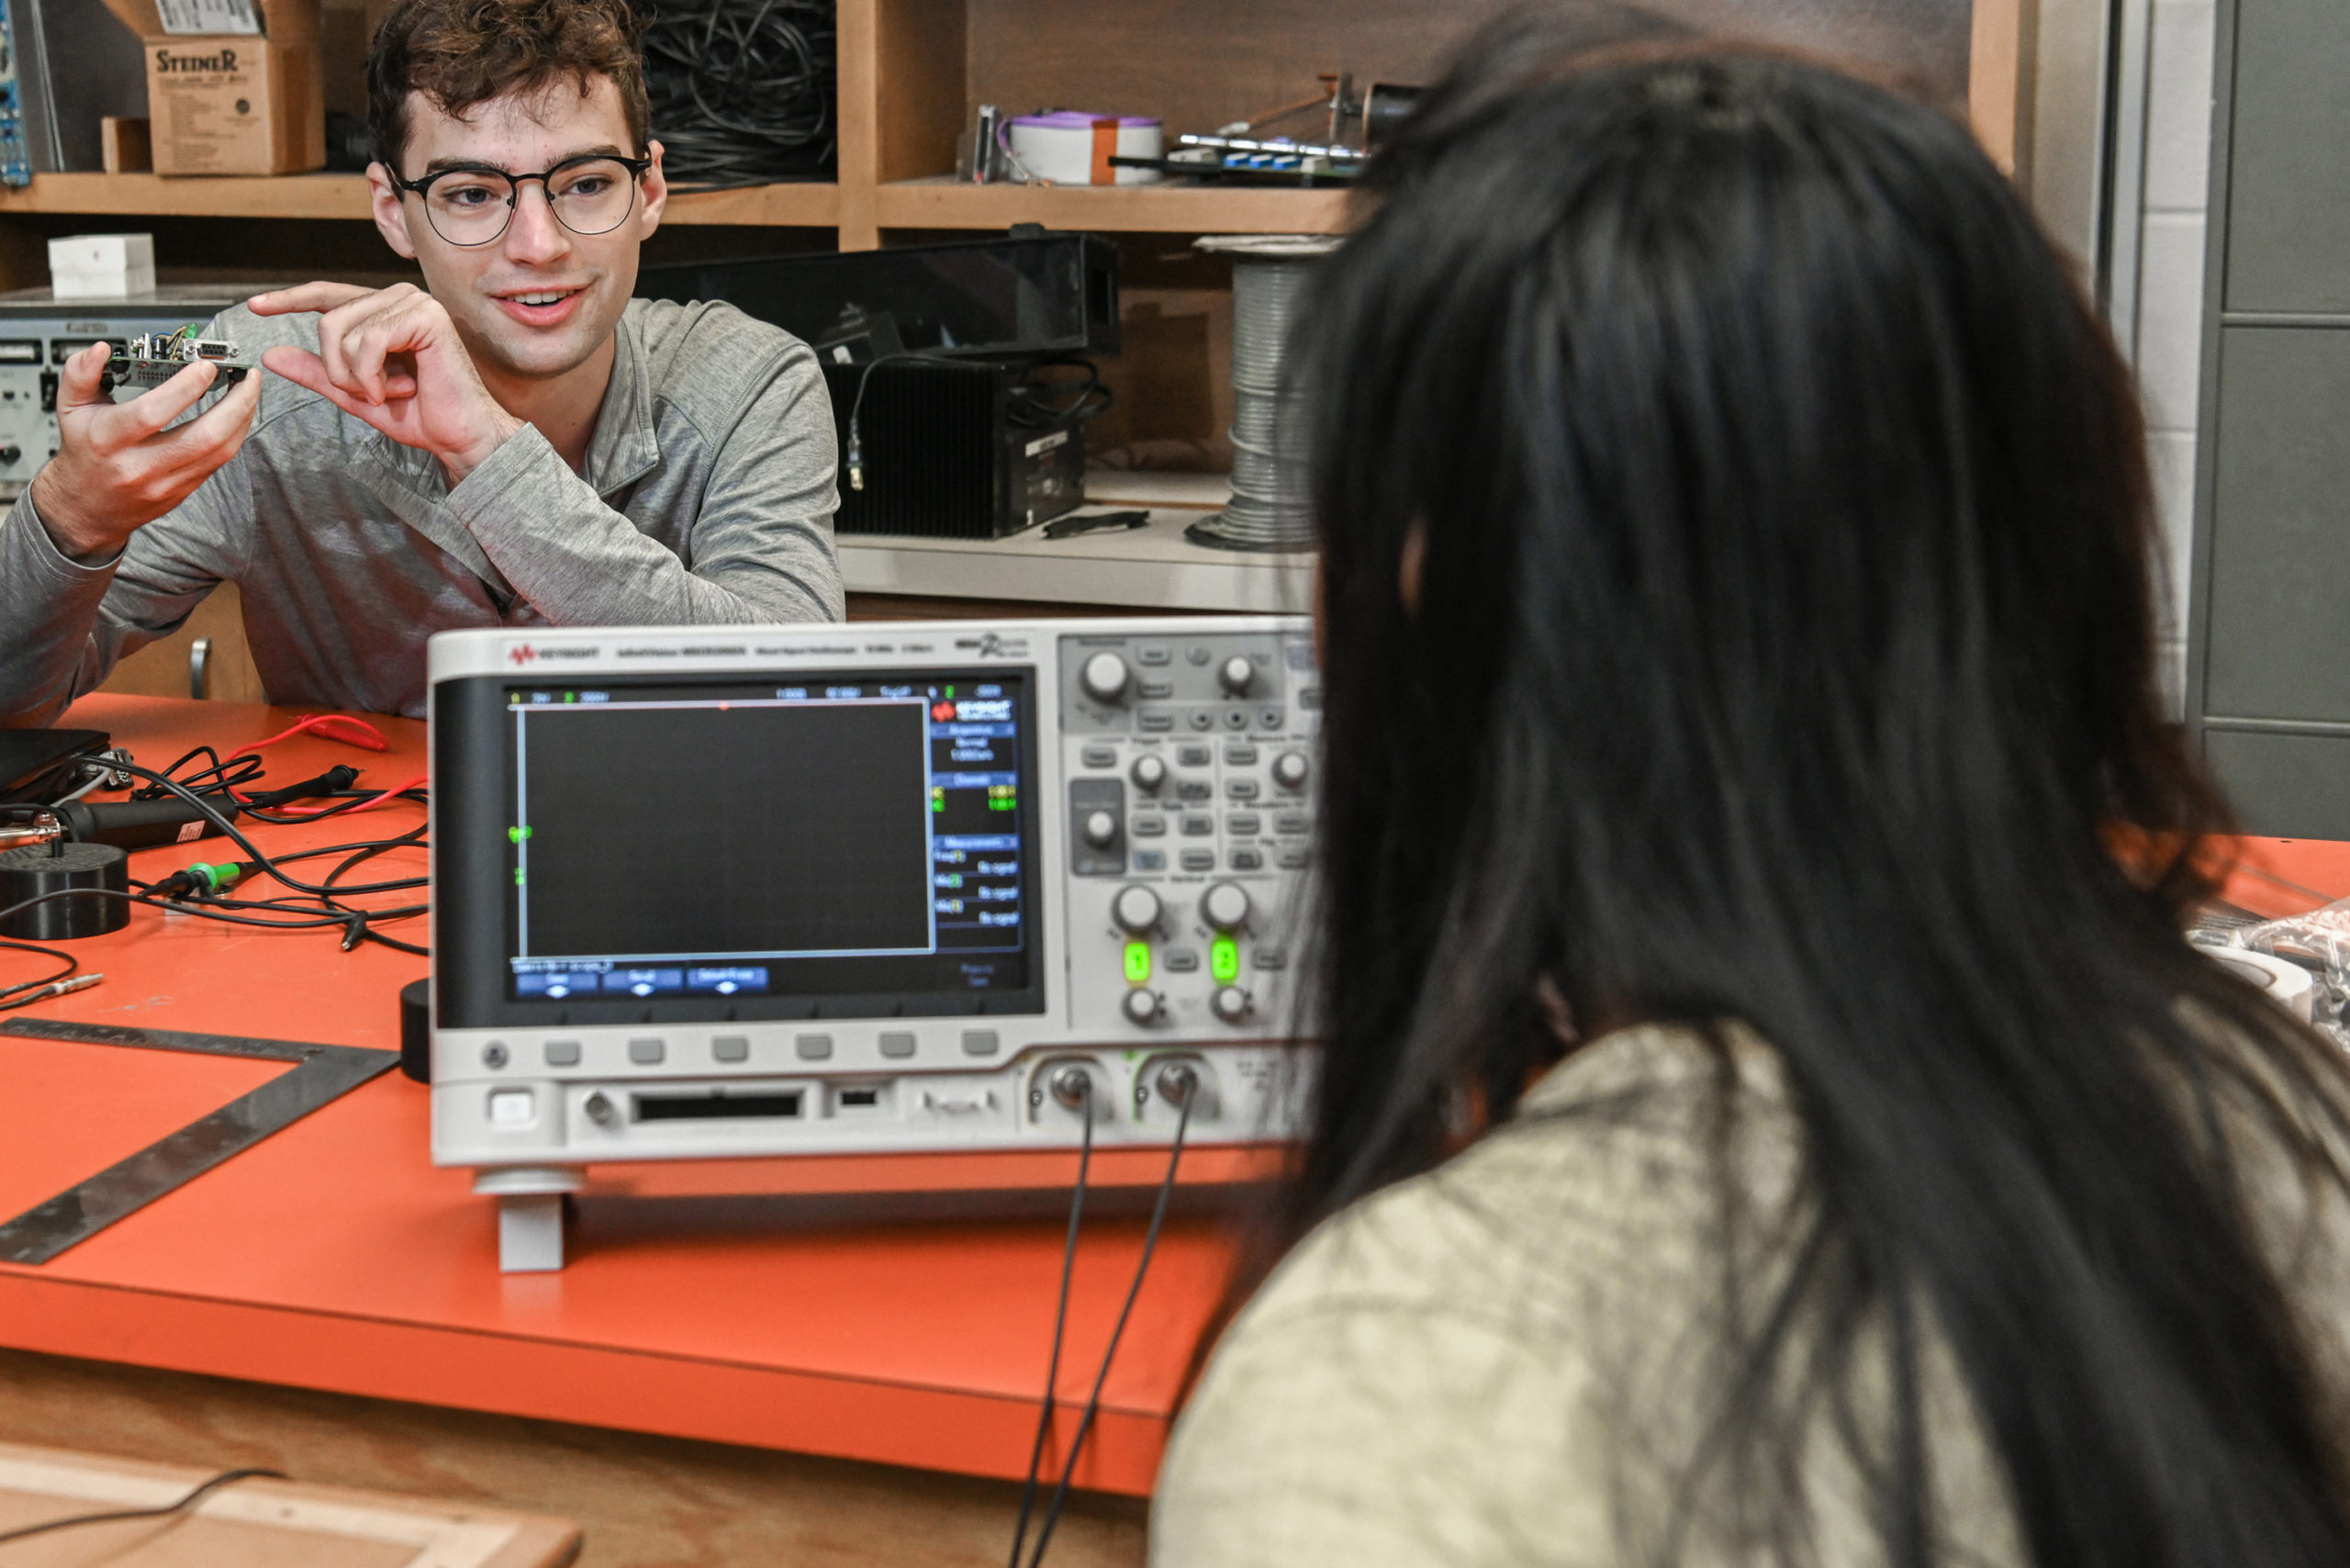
[[1506, 1360]]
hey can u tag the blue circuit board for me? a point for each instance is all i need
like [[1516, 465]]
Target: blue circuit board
[[16, 163]]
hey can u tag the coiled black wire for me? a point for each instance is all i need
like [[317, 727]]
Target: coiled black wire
[[743, 91]]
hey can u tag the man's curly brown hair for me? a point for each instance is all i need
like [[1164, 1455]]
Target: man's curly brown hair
[[461, 53]]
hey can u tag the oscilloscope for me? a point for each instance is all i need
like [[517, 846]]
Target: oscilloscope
[[737, 891]]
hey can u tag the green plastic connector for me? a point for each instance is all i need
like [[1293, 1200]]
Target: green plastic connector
[[218, 879]]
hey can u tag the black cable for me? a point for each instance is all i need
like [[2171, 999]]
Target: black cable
[[226, 911], [742, 91], [223, 1479], [1060, 1322], [357, 922], [345, 801], [415, 836], [219, 778], [362, 928], [1031, 407], [1142, 1267], [236, 835], [68, 959]]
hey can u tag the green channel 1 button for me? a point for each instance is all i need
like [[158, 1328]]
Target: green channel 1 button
[[1224, 960], [1138, 963]]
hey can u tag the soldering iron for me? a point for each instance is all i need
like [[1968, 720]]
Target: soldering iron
[[142, 825]]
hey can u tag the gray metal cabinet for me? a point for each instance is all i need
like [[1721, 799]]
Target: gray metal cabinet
[[2268, 665], [2288, 164]]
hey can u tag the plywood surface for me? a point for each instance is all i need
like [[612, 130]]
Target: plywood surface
[[642, 1501], [252, 1523]]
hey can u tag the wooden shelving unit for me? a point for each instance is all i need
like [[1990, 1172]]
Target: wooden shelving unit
[[909, 71], [345, 196], [934, 203], [910, 74], [145, 195], [1171, 208]]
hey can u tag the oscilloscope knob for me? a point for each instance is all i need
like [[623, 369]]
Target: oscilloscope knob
[[1230, 1003], [1136, 909], [1224, 906], [1236, 675], [1100, 829], [1288, 770], [1105, 677], [1148, 772], [1141, 1006]]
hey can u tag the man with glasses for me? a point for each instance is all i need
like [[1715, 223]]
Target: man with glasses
[[519, 443]]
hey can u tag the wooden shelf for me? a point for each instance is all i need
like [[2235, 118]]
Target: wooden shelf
[[152, 195], [345, 196], [1153, 567], [798, 205], [1172, 208]]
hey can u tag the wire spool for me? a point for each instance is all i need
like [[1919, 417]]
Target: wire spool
[[742, 91], [1271, 508], [58, 867]]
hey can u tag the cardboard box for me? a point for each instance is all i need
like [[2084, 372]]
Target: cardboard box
[[228, 102]]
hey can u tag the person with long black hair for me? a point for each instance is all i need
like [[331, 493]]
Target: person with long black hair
[[1768, 1110]]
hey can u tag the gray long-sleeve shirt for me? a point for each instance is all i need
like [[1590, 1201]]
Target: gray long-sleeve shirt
[[707, 497]]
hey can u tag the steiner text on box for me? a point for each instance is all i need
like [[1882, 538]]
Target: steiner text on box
[[231, 102]]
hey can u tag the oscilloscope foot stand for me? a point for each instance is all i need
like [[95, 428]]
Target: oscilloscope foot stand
[[531, 1202]]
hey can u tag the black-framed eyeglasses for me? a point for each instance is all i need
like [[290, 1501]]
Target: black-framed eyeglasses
[[473, 204]]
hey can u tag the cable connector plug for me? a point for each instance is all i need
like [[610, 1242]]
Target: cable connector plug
[[338, 777], [854, 460], [54, 988], [202, 881]]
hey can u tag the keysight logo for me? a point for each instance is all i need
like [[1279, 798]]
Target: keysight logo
[[522, 653]]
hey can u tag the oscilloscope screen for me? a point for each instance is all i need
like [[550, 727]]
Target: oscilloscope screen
[[843, 835]]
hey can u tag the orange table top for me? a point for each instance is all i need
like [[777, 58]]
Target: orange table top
[[2273, 878], [334, 1256]]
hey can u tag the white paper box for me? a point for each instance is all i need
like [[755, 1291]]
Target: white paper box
[[102, 266]]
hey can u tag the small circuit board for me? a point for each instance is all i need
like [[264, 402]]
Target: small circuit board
[[150, 359]]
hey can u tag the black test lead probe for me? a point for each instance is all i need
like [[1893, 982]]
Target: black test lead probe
[[198, 889], [1177, 1081]]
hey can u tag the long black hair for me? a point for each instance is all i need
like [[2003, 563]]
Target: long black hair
[[1737, 608]]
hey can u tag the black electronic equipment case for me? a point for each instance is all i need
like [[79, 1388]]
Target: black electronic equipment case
[[943, 457], [37, 765], [1028, 292]]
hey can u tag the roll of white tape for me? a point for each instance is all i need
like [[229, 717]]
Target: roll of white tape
[[2289, 985], [1068, 148]]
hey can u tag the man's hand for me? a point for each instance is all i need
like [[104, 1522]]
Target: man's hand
[[116, 468], [392, 357]]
